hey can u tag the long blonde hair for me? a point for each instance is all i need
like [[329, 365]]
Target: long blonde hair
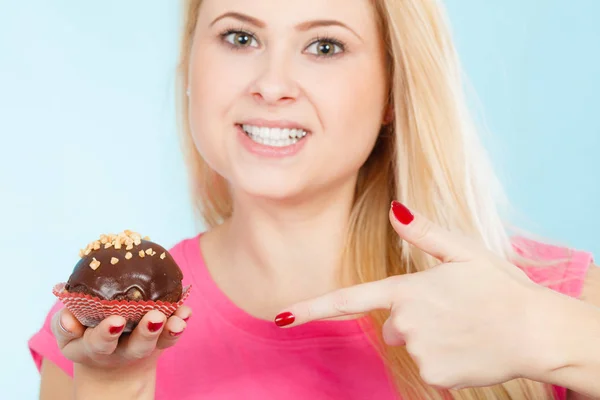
[[429, 158]]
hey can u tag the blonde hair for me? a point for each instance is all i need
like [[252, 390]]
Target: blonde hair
[[453, 183]]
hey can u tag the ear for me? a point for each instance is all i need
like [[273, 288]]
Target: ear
[[388, 116]]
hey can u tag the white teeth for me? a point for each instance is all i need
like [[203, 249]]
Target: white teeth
[[276, 134], [276, 137], [264, 132]]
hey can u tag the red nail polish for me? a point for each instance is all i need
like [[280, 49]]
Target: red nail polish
[[284, 319], [114, 330], [402, 214], [154, 326], [175, 334]]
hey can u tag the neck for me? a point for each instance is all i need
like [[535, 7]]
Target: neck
[[290, 246]]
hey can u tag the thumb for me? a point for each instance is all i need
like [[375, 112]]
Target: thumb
[[66, 327], [430, 237]]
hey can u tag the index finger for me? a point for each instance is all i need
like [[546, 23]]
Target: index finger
[[347, 301]]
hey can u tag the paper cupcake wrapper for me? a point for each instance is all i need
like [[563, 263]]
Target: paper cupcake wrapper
[[90, 310]]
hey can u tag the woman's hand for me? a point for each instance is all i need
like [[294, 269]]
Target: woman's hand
[[105, 348], [466, 323], [108, 364]]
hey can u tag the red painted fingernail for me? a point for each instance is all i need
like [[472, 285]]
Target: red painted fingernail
[[154, 326], [284, 319], [402, 214], [113, 330], [175, 334]]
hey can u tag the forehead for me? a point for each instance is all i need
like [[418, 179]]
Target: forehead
[[286, 13]]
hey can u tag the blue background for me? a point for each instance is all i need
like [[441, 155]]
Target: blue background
[[89, 142]]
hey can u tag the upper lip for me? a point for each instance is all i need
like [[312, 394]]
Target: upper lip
[[282, 124]]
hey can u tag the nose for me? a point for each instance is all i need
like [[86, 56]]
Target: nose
[[275, 84]]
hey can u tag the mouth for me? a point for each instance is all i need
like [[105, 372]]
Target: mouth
[[273, 137]]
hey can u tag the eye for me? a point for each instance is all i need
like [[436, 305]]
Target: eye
[[325, 47], [240, 39]]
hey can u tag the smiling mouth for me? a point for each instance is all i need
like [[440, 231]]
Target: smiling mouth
[[275, 137]]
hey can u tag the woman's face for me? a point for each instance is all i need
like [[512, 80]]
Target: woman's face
[[287, 97]]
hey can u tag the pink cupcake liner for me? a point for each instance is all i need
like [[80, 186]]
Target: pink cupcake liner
[[90, 310]]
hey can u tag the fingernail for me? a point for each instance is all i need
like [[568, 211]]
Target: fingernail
[[284, 319], [60, 324], [114, 330], [175, 334], [154, 326], [402, 214]]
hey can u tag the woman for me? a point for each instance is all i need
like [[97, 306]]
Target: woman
[[302, 122]]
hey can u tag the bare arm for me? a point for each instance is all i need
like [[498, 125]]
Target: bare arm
[[106, 364], [590, 295], [55, 384], [94, 384]]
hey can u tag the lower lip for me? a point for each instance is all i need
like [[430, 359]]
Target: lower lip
[[268, 151]]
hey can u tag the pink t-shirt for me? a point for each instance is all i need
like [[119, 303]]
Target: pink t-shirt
[[227, 354]]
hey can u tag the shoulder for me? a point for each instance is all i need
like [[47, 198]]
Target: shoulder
[[184, 248], [188, 256], [566, 270], [187, 251]]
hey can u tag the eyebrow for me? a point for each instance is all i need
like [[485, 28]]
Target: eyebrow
[[304, 26]]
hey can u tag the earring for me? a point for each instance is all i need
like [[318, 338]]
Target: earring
[[188, 91]]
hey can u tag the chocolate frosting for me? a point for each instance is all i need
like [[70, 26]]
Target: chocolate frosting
[[139, 278]]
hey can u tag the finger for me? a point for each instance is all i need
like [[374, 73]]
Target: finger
[[431, 238], [392, 335], [348, 301], [142, 341], [66, 327], [183, 312], [103, 339], [170, 335]]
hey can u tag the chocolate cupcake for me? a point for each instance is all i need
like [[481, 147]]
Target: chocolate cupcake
[[126, 267], [125, 275]]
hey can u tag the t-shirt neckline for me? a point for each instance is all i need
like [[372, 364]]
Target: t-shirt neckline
[[207, 289]]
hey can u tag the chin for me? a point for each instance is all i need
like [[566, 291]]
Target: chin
[[270, 186]]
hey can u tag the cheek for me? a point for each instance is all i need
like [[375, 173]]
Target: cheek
[[214, 88], [213, 83], [350, 105]]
